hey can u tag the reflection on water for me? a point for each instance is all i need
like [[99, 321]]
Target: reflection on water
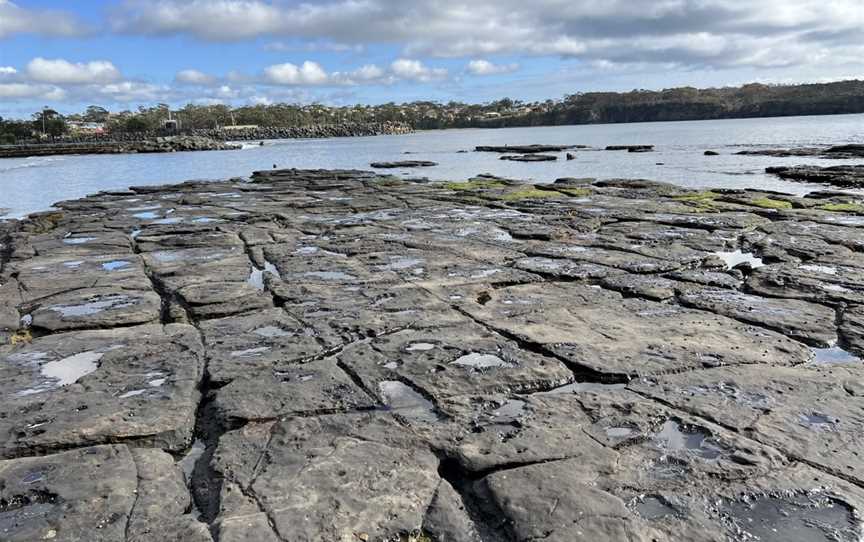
[[679, 148]]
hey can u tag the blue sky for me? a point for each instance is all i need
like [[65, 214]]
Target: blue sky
[[125, 53]]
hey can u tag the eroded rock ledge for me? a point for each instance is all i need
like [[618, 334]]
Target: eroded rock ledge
[[335, 355]]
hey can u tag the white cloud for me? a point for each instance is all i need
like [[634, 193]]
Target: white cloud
[[415, 70], [16, 91], [59, 71], [310, 73], [17, 20], [484, 67], [368, 72], [688, 33], [7, 71], [194, 77]]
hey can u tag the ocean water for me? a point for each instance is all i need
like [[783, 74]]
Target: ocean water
[[34, 184]]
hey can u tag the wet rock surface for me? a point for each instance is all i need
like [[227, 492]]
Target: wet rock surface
[[403, 164], [843, 176], [336, 355]]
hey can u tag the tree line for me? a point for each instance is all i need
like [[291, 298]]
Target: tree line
[[685, 103]]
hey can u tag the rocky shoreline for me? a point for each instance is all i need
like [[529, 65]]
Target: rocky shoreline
[[338, 355], [155, 145], [195, 140]]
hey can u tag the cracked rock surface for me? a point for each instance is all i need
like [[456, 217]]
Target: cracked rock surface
[[337, 355]]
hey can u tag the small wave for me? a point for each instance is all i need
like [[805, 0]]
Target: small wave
[[31, 162]]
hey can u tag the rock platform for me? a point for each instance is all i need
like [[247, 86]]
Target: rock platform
[[343, 356]]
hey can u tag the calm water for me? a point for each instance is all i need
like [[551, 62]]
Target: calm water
[[33, 184]]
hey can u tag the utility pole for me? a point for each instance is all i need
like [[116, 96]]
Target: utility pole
[[44, 110]]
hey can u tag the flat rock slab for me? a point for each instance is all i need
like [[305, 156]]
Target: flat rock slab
[[92, 387], [96, 308], [403, 164], [807, 322], [814, 413], [600, 331], [339, 477], [338, 355], [101, 493]]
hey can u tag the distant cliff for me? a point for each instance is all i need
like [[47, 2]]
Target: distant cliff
[[754, 100]]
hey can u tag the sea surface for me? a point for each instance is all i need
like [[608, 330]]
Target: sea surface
[[34, 184]]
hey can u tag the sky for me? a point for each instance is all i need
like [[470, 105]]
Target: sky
[[125, 53]]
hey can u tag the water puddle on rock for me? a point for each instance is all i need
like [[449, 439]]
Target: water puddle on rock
[[677, 437], [653, 508], [818, 421], [78, 240], [792, 518], [187, 464], [73, 265], [824, 269], [406, 402], [737, 257], [505, 419], [88, 309], [256, 277], [833, 355], [65, 371], [420, 347], [115, 264], [147, 215], [23, 511], [482, 361]]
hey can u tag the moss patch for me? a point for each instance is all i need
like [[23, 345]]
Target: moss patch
[[697, 197], [576, 192], [768, 203], [22, 337], [479, 184], [843, 207], [530, 193]]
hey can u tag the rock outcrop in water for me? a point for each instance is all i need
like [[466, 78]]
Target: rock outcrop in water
[[843, 176], [154, 145], [403, 164], [838, 152], [335, 355]]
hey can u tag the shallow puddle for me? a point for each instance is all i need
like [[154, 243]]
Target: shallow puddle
[[737, 257], [824, 269], [78, 240], [796, 518], [420, 347], [834, 355], [65, 371], [187, 464], [481, 361], [505, 419], [819, 421], [94, 307], [653, 508], [147, 215], [115, 264], [404, 401], [677, 437]]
